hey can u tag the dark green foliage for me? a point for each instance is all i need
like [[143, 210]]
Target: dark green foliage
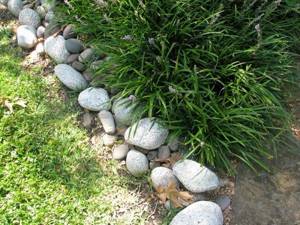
[[213, 70]]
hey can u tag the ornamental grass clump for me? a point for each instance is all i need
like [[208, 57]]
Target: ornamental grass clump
[[213, 70]]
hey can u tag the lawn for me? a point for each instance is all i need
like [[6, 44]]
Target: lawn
[[48, 172]]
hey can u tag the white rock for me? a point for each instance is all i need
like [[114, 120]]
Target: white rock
[[107, 121], [123, 109], [146, 134], [29, 17], [162, 177], [40, 31], [55, 48], [26, 36], [94, 99], [194, 177], [137, 163], [70, 77], [120, 152], [15, 7], [109, 140], [199, 213]]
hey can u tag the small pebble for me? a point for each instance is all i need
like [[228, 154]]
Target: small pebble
[[87, 55], [87, 120]]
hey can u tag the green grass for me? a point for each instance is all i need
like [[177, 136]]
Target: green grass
[[48, 172], [213, 70]]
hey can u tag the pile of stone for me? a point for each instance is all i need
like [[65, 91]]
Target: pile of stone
[[145, 144]]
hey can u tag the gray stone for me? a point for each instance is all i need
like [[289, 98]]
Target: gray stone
[[55, 48], [223, 202], [29, 17], [40, 31], [137, 163], [109, 140], [51, 28], [70, 77], [94, 99], [74, 45], [4, 2], [26, 36], [147, 134], [69, 32], [41, 11], [72, 58], [199, 213], [15, 7], [162, 177], [78, 66], [151, 155], [120, 152], [195, 177], [107, 121], [49, 16], [87, 55], [164, 152], [123, 109]]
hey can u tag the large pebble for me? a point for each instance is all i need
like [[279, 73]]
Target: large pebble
[[26, 36], [70, 77], [55, 48], [120, 152], [162, 177], [199, 213], [107, 121], [123, 109], [195, 177], [15, 6], [29, 17], [69, 32], [147, 134], [137, 163], [94, 99], [74, 45]]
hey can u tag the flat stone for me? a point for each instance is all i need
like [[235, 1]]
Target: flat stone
[[162, 177], [74, 46], [29, 17], [55, 48], [15, 7], [199, 213], [26, 36], [94, 99], [195, 177], [164, 152], [137, 163], [107, 121], [109, 140], [69, 32], [70, 77], [78, 66], [147, 134], [120, 152]]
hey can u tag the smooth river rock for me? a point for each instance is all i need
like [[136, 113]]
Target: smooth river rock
[[55, 48], [195, 177], [26, 36], [70, 77], [94, 99], [147, 134], [199, 213], [29, 17], [137, 163]]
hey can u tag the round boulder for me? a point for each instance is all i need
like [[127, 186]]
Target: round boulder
[[55, 48], [94, 99], [147, 134], [199, 213], [137, 163], [195, 177], [15, 6], [70, 77], [162, 178], [29, 17], [26, 36]]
